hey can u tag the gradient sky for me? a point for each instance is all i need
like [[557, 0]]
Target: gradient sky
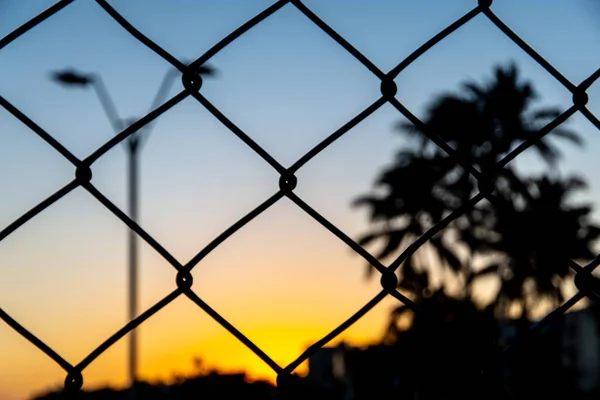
[[283, 280]]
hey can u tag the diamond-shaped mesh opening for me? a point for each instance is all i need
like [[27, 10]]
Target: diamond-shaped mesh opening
[[298, 279], [349, 196], [289, 121], [195, 179]]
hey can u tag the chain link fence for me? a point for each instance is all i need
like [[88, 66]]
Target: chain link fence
[[192, 82]]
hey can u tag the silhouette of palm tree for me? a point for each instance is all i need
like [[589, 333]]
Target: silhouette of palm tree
[[536, 238], [484, 122], [529, 224]]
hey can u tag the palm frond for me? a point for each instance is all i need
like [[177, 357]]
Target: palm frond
[[569, 135]]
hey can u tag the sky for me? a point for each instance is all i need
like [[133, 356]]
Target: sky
[[283, 280]]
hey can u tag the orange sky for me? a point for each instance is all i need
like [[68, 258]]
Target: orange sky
[[263, 280], [179, 333], [284, 289]]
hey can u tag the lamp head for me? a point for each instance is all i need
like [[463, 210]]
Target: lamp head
[[71, 77]]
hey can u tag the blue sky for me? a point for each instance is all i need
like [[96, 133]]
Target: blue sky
[[287, 85]]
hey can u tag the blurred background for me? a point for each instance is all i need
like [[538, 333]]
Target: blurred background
[[283, 280]]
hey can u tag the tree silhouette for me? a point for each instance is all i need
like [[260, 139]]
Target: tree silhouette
[[528, 227], [536, 239]]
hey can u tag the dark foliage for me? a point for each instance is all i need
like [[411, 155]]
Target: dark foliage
[[528, 223]]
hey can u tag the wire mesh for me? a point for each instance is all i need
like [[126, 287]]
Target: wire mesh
[[192, 82]]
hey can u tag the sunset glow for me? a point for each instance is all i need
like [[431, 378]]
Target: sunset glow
[[283, 280]]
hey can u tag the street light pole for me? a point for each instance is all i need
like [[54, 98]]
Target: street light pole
[[133, 145], [131, 148], [133, 254]]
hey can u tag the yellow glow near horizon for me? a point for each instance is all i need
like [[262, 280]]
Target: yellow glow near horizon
[[174, 337], [283, 344]]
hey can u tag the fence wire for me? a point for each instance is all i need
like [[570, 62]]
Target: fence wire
[[192, 81]]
